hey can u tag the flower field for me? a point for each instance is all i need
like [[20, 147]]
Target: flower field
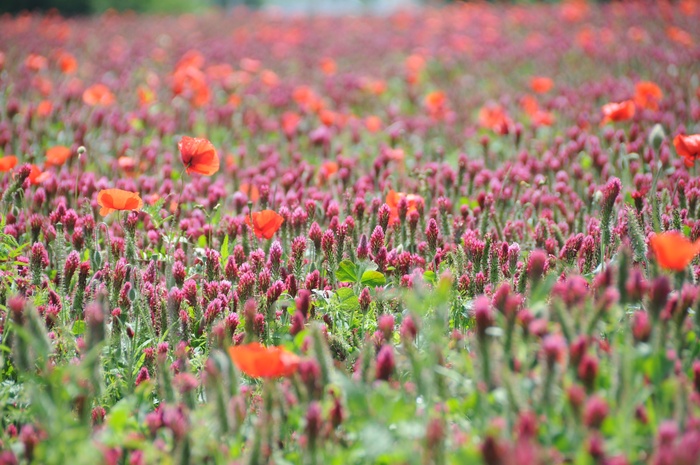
[[445, 236]]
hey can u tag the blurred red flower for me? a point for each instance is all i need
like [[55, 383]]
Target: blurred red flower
[[618, 111], [258, 361], [687, 147], [673, 250], [265, 223]]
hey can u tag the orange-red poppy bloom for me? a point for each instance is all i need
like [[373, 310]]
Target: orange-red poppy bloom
[[647, 95], [673, 250], [44, 108], [35, 62], [265, 223], [7, 163], [145, 95], [67, 63], [98, 95], [36, 176], [251, 191], [328, 66], [373, 123], [198, 156], [687, 147], [290, 123], [112, 200], [494, 117], [392, 200], [680, 36], [541, 84], [621, 111], [57, 156], [328, 169], [126, 163], [436, 104], [258, 361]]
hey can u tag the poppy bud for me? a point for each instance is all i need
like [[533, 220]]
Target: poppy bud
[[656, 136]]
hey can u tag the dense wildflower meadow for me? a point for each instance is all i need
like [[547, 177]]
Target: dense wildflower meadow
[[445, 236]]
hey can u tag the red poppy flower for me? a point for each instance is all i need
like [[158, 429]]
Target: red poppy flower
[[67, 63], [688, 147], [392, 200], [36, 176], [265, 223], [494, 117], [7, 163], [673, 250], [35, 62], [258, 361], [647, 95], [436, 104], [57, 156], [112, 200], [44, 108], [98, 95], [251, 191], [621, 111], [373, 123], [198, 156], [541, 84]]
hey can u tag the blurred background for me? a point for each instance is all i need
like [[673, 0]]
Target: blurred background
[[86, 7]]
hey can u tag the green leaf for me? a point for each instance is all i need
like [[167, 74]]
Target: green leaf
[[79, 327], [224, 249], [373, 278], [347, 299], [430, 277], [346, 272]]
